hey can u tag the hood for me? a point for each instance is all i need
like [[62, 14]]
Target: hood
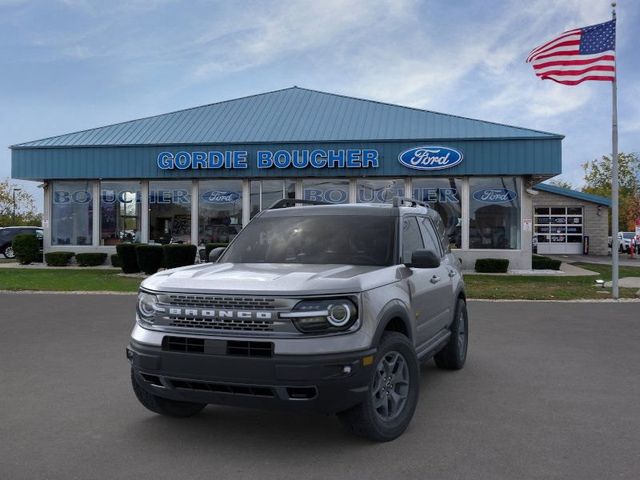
[[271, 279]]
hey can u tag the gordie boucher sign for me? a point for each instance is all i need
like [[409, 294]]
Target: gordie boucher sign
[[419, 158]]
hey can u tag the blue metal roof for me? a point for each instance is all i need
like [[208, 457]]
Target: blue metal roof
[[566, 192], [292, 115]]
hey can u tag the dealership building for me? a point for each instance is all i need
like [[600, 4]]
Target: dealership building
[[198, 175]]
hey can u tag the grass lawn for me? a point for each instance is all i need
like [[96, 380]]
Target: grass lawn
[[533, 287], [547, 287], [90, 280]]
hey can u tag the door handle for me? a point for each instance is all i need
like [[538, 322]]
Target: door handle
[[452, 273], [435, 279]]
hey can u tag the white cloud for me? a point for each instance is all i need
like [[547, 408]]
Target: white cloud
[[284, 29]]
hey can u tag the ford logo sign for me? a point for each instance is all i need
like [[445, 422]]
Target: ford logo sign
[[430, 158], [219, 197], [495, 195]]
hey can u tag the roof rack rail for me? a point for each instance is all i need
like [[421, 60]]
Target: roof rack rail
[[292, 202], [400, 201]]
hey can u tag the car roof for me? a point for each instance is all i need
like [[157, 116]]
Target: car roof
[[21, 226], [364, 209]]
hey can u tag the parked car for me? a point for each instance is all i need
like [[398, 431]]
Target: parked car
[[7, 234], [325, 308], [624, 240]]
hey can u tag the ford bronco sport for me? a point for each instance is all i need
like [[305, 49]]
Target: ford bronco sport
[[326, 308]]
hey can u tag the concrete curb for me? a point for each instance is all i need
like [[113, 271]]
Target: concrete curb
[[577, 300], [485, 300], [54, 292]]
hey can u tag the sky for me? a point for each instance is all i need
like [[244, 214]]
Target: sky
[[68, 65]]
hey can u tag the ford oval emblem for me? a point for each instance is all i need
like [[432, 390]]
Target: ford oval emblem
[[216, 196], [430, 157], [495, 195]]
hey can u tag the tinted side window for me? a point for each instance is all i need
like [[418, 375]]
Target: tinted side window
[[431, 241], [25, 231], [441, 232], [411, 238]]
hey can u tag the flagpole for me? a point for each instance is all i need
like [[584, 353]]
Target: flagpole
[[614, 176]]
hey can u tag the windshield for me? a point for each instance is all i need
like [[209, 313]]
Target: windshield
[[319, 239], [628, 235]]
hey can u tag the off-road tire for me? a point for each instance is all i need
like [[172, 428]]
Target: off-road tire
[[454, 354], [363, 420], [164, 406]]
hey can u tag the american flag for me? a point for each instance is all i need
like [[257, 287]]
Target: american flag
[[577, 55]]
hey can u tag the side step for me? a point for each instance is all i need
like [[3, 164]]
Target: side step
[[434, 345]]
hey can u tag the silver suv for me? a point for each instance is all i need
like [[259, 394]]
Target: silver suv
[[326, 308]]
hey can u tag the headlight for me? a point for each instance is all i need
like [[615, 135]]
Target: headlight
[[323, 315], [147, 303]]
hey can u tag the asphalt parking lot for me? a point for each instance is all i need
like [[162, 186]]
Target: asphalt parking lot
[[551, 390]]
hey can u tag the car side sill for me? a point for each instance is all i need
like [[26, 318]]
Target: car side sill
[[432, 347]]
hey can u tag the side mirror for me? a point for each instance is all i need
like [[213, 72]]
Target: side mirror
[[424, 259], [214, 255]]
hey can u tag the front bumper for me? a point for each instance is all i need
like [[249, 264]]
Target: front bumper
[[320, 383]]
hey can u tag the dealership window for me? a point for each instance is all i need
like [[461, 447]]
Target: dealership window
[[329, 191], [378, 190], [266, 192], [219, 210], [72, 213], [494, 213], [170, 212], [444, 195], [119, 212]]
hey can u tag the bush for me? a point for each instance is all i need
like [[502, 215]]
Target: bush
[[539, 262], [58, 259], [179, 255], [115, 261], [492, 265], [27, 248], [210, 246], [128, 257], [149, 258], [90, 259]]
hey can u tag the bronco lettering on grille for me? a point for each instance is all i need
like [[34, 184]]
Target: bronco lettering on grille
[[211, 313]]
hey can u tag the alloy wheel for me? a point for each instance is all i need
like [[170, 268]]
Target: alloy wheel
[[390, 386]]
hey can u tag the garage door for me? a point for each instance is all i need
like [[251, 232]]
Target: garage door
[[558, 229]]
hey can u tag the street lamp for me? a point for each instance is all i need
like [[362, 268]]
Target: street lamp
[[14, 203]]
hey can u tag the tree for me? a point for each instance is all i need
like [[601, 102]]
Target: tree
[[597, 177], [25, 206], [559, 182]]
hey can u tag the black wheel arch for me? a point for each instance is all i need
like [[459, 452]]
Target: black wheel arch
[[395, 317]]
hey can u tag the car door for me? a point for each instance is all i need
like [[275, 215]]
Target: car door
[[426, 285], [434, 237]]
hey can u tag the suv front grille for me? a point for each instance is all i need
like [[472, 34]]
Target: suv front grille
[[225, 324], [211, 313], [216, 301]]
